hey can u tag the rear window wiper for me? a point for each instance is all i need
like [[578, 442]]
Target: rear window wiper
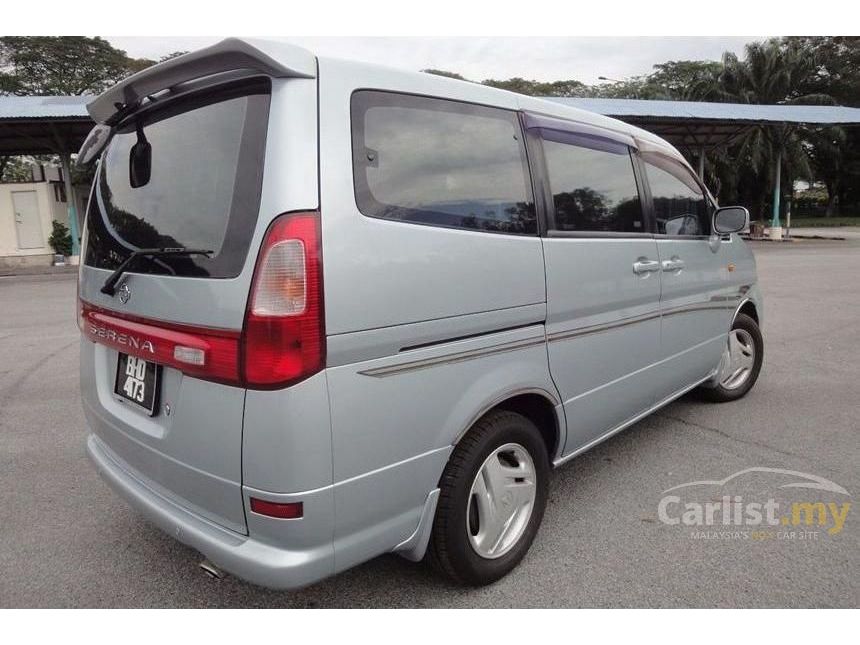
[[109, 287]]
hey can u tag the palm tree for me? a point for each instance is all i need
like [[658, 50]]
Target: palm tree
[[771, 73], [826, 148]]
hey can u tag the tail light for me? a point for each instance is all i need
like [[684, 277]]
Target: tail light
[[283, 339]]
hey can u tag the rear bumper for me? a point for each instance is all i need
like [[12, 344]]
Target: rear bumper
[[248, 558]]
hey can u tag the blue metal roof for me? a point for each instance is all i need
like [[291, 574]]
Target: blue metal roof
[[690, 110], [32, 125], [41, 107], [684, 123], [44, 107]]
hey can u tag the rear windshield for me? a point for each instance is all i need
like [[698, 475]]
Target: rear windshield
[[203, 191]]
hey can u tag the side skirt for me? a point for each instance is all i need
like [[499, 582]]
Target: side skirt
[[561, 460]]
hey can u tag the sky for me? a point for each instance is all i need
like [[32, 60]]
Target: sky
[[478, 58]]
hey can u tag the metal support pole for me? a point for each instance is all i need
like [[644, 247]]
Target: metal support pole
[[66, 160], [702, 163], [776, 190]]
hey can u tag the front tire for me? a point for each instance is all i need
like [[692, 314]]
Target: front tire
[[741, 362], [492, 500]]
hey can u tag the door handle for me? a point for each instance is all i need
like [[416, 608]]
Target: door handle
[[674, 264], [644, 266]]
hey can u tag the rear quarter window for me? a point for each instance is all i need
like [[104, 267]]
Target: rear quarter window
[[440, 163]]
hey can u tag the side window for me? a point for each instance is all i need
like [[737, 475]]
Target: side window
[[680, 207], [592, 183], [442, 163]]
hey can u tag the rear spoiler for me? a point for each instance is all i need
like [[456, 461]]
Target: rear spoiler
[[268, 57]]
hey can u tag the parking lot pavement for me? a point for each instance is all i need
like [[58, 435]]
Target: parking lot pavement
[[66, 540]]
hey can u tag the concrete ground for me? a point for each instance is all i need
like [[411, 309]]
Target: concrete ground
[[67, 541]]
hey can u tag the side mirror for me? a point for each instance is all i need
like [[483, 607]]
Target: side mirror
[[731, 219]]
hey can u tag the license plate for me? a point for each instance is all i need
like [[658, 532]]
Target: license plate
[[137, 382]]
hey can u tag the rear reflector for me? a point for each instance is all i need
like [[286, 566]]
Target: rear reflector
[[288, 511]]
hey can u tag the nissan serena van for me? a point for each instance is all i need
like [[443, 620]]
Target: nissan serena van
[[331, 310]]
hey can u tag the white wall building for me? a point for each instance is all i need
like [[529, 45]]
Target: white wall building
[[38, 125], [27, 210]]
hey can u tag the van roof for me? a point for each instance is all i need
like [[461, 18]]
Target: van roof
[[444, 86], [279, 59]]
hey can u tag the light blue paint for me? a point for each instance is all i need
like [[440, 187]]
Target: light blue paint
[[776, 182]]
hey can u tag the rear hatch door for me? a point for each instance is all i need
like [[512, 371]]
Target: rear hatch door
[[176, 425]]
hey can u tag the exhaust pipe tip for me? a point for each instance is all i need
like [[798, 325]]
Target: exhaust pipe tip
[[211, 570]]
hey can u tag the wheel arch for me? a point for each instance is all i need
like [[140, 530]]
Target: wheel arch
[[538, 406], [748, 308]]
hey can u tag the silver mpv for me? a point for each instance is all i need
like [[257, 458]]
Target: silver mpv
[[331, 310]]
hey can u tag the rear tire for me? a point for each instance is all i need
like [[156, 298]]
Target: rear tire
[[492, 499], [741, 362]]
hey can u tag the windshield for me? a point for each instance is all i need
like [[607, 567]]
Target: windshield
[[203, 191]]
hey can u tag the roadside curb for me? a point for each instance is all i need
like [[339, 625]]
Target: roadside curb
[[813, 236], [747, 238], [796, 236], [46, 270]]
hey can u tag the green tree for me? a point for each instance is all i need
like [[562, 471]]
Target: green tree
[[834, 152], [569, 88], [442, 72], [685, 80], [781, 71], [515, 84], [14, 169], [635, 87], [540, 88], [772, 72], [826, 149], [835, 69], [45, 65]]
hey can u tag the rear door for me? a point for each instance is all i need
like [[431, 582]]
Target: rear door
[[602, 276], [27, 220], [697, 301], [208, 154]]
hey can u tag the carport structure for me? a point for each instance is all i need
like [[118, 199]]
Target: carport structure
[[33, 125], [46, 125], [699, 127]]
